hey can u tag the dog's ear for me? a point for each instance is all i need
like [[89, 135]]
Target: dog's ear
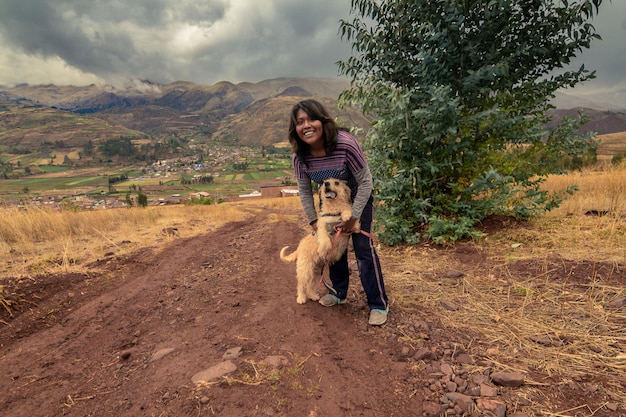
[[319, 196]]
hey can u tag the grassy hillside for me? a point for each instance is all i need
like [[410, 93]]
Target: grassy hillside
[[265, 122], [610, 145], [602, 121], [37, 127]]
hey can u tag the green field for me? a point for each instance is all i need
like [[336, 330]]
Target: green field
[[228, 181], [53, 168], [42, 184]]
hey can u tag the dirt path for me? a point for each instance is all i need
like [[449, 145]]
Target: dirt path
[[88, 348]]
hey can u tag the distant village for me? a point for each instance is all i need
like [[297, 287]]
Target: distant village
[[166, 170]]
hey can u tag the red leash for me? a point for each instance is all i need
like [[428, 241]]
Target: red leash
[[368, 234]]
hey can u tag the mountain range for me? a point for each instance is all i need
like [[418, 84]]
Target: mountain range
[[241, 114], [244, 113]]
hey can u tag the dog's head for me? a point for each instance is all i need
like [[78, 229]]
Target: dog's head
[[333, 188]]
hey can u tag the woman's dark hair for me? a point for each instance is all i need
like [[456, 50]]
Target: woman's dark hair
[[316, 111]]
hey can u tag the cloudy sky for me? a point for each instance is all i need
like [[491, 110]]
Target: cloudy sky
[[205, 41]]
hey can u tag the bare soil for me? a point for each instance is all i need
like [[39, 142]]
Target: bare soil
[[129, 337]]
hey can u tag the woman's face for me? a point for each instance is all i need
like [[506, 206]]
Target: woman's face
[[309, 130]]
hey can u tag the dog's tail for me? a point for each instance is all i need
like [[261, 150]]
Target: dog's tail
[[288, 258]]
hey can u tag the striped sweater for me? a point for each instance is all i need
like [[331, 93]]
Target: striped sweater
[[347, 162]]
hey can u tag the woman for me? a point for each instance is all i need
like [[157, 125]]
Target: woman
[[322, 150]]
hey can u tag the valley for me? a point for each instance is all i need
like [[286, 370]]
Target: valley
[[96, 143]]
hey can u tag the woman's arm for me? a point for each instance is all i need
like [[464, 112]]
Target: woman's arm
[[305, 190], [366, 185]]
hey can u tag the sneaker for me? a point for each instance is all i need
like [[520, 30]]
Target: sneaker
[[330, 300], [378, 317]]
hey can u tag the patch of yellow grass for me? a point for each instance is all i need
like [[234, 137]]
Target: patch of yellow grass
[[510, 308], [38, 240], [282, 145], [598, 190], [510, 311], [610, 145]]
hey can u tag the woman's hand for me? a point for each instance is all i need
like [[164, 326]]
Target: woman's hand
[[347, 226]]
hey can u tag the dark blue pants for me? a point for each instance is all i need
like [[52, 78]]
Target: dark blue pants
[[368, 263]]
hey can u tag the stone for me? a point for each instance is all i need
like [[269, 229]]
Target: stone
[[488, 390], [497, 408], [454, 274], [447, 370], [161, 353], [232, 353], [424, 354], [277, 361], [449, 305], [618, 303], [508, 379], [451, 386], [432, 409], [464, 358], [479, 379], [214, 372], [465, 402], [473, 391]]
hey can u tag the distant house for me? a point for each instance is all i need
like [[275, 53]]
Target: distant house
[[252, 194], [279, 191], [287, 192]]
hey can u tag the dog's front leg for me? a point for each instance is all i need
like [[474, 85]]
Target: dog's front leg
[[324, 244]]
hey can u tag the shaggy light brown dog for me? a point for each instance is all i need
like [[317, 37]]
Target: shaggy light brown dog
[[321, 247]]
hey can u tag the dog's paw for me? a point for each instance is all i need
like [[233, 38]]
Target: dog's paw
[[301, 300]]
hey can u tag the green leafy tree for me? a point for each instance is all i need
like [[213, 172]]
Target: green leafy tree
[[142, 199], [460, 92], [118, 147], [89, 148]]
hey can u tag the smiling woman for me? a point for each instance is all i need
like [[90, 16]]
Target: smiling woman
[[321, 151]]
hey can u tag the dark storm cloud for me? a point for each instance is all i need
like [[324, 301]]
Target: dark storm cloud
[[107, 38], [165, 40], [206, 41]]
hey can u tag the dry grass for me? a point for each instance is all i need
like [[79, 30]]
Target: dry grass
[[38, 240], [520, 307], [603, 190], [541, 294], [610, 145]]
